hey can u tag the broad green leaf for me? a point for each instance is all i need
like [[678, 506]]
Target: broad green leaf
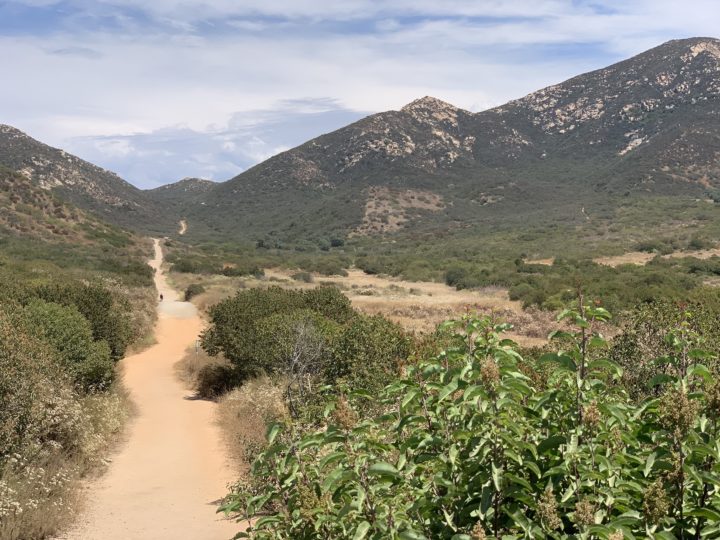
[[496, 477], [660, 379], [551, 443], [361, 530], [649, 464], [272, 432], [383, 468], [562, 360]]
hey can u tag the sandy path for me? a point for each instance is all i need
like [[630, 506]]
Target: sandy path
[[166, 479], [183, 226]]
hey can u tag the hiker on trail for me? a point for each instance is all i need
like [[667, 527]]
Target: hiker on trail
[[161, 297]]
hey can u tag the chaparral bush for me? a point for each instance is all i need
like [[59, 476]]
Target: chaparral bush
[[469, 445]]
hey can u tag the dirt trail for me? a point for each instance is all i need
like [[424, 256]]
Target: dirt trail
[[165, 481], [183, 226]]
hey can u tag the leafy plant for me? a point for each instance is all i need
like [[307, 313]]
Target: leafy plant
[[467, 446]]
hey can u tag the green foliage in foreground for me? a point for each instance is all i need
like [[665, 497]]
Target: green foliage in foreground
[[468, 446]]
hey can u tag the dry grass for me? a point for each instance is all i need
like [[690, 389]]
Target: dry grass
[[546, 262], [633, 257], [217, 287], [39, 489], [144, 315], [642, 258], [420, 306], [191, 366], [417, 306], [244, 414]]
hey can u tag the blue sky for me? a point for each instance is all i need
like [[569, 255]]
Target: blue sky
[[158, 90]]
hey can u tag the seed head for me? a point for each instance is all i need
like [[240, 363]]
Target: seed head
[[308, 500], [478, 532], [547, 510], [490, 373], [617, 535], [713, 401], [343, 415], [615, 439], [678, 412], [584, 513], [591, 416], [655, 503]]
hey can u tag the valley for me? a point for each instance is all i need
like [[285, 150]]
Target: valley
[[429, 323]]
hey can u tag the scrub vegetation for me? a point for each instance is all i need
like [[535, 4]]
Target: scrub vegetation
[[70, 306]]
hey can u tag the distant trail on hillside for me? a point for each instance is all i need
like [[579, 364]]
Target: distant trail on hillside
[[167, 478], [183, 226]]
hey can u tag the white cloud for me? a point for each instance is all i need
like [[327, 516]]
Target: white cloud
[[216, 152], [216, 85]]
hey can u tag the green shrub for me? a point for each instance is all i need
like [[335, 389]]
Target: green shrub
[[236, 324], [305, 277], [645, 337], [71, 335], [700, 242], [185, 266], [468, 446], [193, 290], [329, 302], [32, 387], [108, 314], [367, 353]]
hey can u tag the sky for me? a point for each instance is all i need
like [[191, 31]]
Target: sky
[[159, 90]]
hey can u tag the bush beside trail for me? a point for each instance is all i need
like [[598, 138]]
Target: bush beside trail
[[50, 434], [480, 442], [59, 410]]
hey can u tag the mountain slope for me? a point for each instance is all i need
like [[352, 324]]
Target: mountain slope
[[647, 126], [81, 183], [574, 152]]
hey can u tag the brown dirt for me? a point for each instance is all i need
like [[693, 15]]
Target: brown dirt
[[167, 478], [633, 257]]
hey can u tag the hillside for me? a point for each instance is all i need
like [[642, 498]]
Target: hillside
[[81, 183], [631, 143], [645, 127]]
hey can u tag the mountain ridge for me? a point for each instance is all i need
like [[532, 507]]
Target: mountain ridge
[[643, 127]]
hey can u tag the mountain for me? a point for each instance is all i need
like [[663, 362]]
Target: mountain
[[81, 183], [644, 127], [582, 152], [33, 221]]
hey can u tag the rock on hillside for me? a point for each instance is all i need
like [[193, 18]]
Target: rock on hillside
[[644, 126], [84, 184]]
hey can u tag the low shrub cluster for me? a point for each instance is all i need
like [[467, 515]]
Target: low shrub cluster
[[51, 431], [193, 290], [59, 411], [480, 442], [194, 264], [553, 286], [311, 337]]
